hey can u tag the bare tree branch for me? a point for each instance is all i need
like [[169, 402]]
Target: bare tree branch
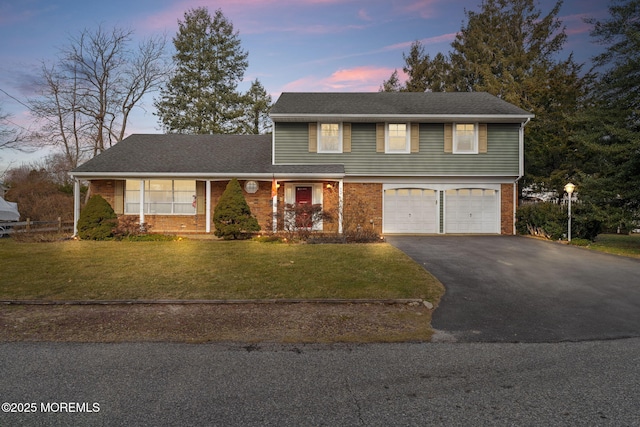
[[12, 135], [88, 95]]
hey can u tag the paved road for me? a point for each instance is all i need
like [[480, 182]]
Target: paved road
[[135, 384], [516, 289]]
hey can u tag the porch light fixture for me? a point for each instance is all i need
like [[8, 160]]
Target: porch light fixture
[[569, 189], [329, 186]]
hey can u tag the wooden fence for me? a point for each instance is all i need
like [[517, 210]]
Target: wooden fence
[[28, 226]]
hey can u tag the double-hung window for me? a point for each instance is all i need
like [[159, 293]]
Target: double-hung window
[[330, 138], [397, 138], [465, 138], [161, 196]]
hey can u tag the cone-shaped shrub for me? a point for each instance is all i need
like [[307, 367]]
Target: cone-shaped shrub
[[232, 215], [97, 219]]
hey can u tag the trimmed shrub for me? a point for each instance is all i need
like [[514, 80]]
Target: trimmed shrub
[[550, 220], [547, 220], [129, 226], [97, 219], [232, 215], [586, 224]]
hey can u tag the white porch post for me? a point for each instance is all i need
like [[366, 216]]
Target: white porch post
[[207, 195], [340, 204], [76, 206], [274, 206], [141, 202]]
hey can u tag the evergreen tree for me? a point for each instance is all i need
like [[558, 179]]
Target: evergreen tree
[[391, 85], [232, 215], [97, 219], [610, 127], [509, 49], [504, 46], [258, 105], [424, 74], [201, 96]]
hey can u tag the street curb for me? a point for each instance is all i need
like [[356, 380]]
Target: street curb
[[214, 301]]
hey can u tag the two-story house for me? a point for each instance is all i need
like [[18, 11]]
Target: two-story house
[[425, 163]]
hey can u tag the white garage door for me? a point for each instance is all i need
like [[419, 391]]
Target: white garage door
[[471, 210], [410, 210]]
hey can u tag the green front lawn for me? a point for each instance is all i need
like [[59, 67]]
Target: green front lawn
[[195, 269], [619, 244]]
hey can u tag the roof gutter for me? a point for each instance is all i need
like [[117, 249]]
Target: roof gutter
[[494, 118], [194, 175]]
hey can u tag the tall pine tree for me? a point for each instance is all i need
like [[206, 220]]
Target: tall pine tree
[[610, 127], [510, 49], [201, 97], [258, 105]]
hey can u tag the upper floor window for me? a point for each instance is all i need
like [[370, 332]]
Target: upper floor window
[[330, 138], [397, 140], [465, 138], [161, 196]]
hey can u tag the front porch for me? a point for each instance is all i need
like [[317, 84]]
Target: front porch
[[187, 206]]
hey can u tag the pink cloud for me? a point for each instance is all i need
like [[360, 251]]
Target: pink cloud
[[238, 11], [358, 79], [423, 8], [575, 24], [443, 38], [364, 15]]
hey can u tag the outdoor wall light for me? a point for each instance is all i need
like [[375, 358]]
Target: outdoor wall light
[[569, 189]]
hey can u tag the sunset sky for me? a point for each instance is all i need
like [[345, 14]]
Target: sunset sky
[[293, 45]]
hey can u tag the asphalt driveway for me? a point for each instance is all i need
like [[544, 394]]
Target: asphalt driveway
[[517, 289]]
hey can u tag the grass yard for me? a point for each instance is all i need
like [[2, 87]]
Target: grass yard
[[198, 269], [619, 244]]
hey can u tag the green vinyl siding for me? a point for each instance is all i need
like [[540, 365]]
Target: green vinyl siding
[[502, 158]]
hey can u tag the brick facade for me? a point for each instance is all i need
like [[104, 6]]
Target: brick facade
[[259, 203], [105, 188], [506, 209], [362, 207], [363, 204]]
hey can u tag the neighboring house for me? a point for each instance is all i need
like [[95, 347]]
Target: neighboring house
[[425, 163]]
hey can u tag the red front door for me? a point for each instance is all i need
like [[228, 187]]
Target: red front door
[[304, 207]]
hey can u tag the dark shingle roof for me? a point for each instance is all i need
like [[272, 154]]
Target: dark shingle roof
[[206, 155], [292, 104]]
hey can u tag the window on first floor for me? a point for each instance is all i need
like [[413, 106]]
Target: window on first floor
[[161, 196]]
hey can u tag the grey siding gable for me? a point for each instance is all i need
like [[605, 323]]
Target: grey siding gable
[[501, 159]]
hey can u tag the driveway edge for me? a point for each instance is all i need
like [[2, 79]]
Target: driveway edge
[[216, 301]]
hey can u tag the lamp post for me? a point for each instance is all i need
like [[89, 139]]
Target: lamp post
[[569, 189]]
